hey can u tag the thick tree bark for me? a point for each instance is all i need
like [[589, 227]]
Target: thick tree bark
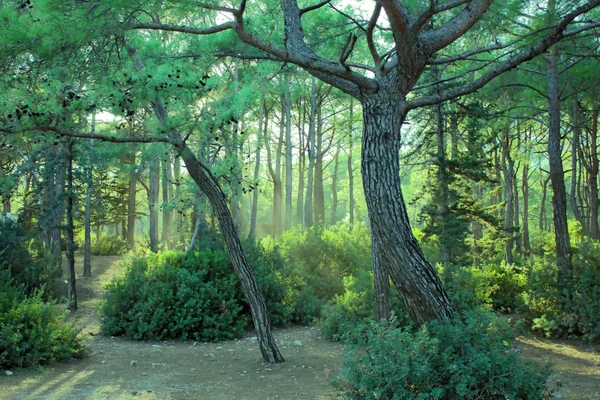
[[399, 253], [311, 144], [557, 176], [71, 285], [381, 281]]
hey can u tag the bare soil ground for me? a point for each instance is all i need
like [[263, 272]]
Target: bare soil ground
[[119, 368]]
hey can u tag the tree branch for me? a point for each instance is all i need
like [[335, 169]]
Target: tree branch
[[523, 56], [450, 31], [369, 32], [185, 29], [314, 7], [434, 8]]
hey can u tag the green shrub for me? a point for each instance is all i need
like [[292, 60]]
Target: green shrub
[[109, 245], [314, 263], [470, 359], [356, 307], [32, 332], [194, 296], [33, 273], [575, 310]]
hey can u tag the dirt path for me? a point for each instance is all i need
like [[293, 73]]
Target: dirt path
[[123, 369]]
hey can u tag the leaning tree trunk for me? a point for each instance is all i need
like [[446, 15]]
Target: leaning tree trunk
[[210, 187], [399, 253], [557, 175]]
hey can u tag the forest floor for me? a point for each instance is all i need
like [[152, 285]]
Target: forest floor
[[118, 368]]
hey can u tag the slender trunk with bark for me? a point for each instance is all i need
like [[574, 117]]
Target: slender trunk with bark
[[254, 211], [525, 194], [557, 176], [154, 183], [508, 170], [319, 185], [573, 201], [311, 143], [286, 99], [71, 285], [334, 180], [351, 201], [87, 242], [593, 176], [166, 212]]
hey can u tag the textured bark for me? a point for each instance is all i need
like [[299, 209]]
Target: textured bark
[[71, 285], [179, 221], [525, 194], [351, 201], [509, 172], [131, 203], [154, 183], [398, 251], [254, 210], [301, 166], [383, 306], [557, 176], [287, 101], [334, 189], [319, 184], [593, 176], [166, 213], [87, 242], [517, 214], [573, 201], [542, 223], [311, 144]]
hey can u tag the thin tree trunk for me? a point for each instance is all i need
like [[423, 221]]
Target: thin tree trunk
[[311, 143], [179, 220], [166, 213], [525, 193], [593, 176], [319, 186], [71, 286], [443, 197], [334, 180], [87, 245], [154, 183], [131, 203], [575, 174], [351, 201], [254, 212], [286, 99], [210, 187], [557, 177], [508, 170], [542, 224], [301, 165]]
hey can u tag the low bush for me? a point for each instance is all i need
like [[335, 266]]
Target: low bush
[[33, 332], [469, 359], [34, 273], [314, 263], [575, 310], [109, 245], [194, 296]]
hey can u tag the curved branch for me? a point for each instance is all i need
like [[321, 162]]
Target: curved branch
[[370, 43]]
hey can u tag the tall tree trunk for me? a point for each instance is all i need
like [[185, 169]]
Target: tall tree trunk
[[58, 205], [381, 280], [509, 172], [311, 143], [179, 220], [166, 213], [87, 243], [542, 223], [517, 214], [301, 165], [71, 286], [557, 176], [574, 172], [334, 180], [286, 99], [593, 176], [254, 211], [4, 191], [443, 198], [319, 186], [131, 203], [210, 187], [525, 193], [351, 201], [400, 255], [277, 184], [154, 183]]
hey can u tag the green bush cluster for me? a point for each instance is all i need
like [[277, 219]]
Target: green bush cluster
[[194, 296], [314, 263], [33, 332], [109, 245], [574, 311], [469, 359], [32, 273]]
